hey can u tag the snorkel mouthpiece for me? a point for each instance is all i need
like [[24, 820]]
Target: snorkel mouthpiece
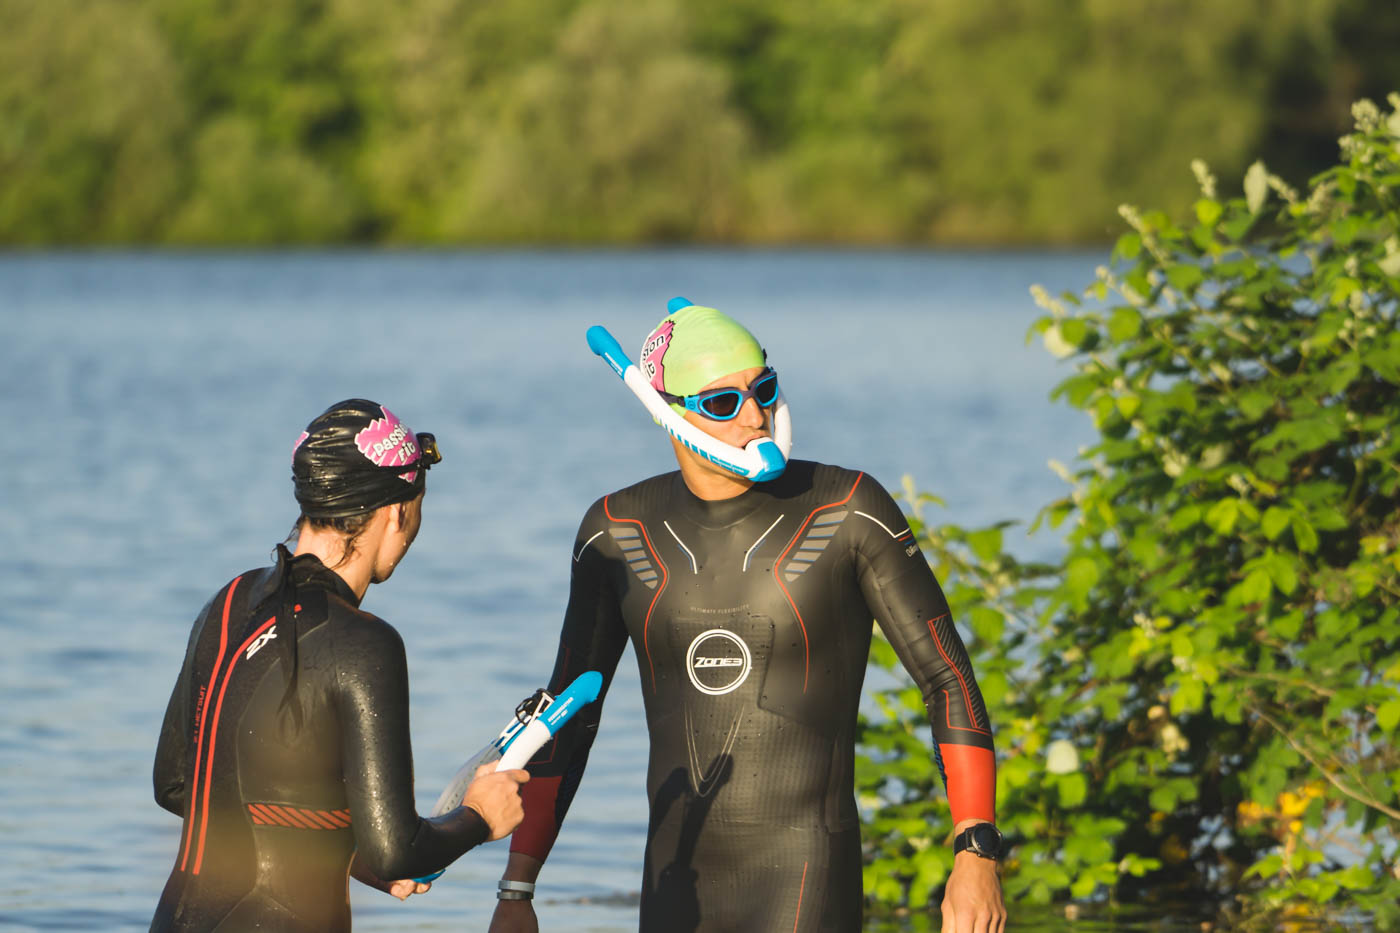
[[761, 459]]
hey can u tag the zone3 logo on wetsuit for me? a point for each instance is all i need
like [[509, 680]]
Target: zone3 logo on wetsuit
[[751, 622], [722, 672]]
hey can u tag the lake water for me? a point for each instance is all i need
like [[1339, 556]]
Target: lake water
[[154, 399]]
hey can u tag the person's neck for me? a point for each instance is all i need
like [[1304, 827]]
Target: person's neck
[[329, 547], [710, 485]]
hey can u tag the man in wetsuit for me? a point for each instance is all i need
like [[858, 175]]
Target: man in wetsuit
[[749, 607], [285, 744]]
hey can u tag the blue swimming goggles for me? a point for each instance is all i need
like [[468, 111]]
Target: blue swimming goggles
[[724, 404]]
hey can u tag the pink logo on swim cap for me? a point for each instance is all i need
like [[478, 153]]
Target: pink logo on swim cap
[[653, 351], [386, 442], [297, 445]]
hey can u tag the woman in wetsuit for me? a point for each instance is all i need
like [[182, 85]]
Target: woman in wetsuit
[[285, 745]]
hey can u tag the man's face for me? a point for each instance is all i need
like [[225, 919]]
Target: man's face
[[752, 422]]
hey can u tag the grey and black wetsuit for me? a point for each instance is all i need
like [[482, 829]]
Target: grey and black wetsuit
[[277, 797], [751, 622]]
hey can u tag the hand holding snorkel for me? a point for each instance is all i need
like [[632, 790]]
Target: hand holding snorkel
[[761, 459], [536, 720]]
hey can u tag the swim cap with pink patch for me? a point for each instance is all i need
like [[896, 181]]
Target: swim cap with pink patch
[[694, 346], [351, 460]]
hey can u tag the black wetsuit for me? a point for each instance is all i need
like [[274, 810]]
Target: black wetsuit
[[277, 798], [751, 621]]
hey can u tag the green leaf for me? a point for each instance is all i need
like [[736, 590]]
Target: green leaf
[[1343, 373], [1074, 331], [1256, 588], [1304, 535], [1184, 518], [1072, 789], [1162, 798], [1253, 404], [1208, 211], [1388, 715], [987, 624], [1282, 573], [1272, 468], [1238, 226], [1083, 886], [1346, 228], [1355, 878], [1288, 626], [1275, 520], [1222, 515], [1080, 577], [1184, 277], [1189, 696], [1129, 246], [1124, 324], [1266, 867], [1256, 187], [1182, 646], [986, 544]]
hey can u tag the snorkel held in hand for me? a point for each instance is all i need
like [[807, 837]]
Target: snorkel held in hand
[[761, 459], [535, 722]]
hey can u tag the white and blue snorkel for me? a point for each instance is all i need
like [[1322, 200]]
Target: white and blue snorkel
[[761, 459], [536, 720]]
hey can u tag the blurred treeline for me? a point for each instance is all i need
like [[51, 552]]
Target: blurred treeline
[[627, 121]]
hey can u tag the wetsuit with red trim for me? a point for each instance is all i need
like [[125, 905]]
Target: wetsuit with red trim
[[278, 796], [751, 622]]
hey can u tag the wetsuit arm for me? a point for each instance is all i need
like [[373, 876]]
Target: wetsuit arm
[[907, 602], [592, 639], [168, 776], [391, 839]]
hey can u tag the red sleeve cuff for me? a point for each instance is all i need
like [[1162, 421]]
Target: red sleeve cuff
[[972, 782], [536, 833]]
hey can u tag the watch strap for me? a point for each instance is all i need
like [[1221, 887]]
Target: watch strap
[[963, 841]]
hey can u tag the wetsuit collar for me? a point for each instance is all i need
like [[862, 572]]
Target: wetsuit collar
[[717, 513], [307, 569]]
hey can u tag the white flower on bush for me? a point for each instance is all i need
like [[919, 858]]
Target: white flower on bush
[[1061, 757]]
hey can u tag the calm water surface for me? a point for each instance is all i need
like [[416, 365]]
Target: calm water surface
[[153, 402]]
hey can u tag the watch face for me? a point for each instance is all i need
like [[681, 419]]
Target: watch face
[[985, 840]]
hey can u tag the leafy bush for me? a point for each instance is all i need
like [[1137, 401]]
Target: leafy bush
[[1200, 697]]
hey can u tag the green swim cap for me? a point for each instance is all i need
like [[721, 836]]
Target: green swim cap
[[694, 346]]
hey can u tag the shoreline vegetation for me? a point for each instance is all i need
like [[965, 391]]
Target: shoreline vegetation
[[646, 122], [1197, 702]]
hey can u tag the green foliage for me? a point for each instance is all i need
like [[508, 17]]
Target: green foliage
[[888, 121], [91, 118], [1201, 697], [591, 144]]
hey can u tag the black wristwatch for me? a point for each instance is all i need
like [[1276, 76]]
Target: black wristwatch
[[983, 839]]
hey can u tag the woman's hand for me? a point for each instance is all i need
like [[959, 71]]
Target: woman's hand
[[495, 796], [407, 887]]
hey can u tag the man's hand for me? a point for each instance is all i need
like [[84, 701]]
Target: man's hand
[[972, 900], [514, 917], [495, 796], [517, 916]]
